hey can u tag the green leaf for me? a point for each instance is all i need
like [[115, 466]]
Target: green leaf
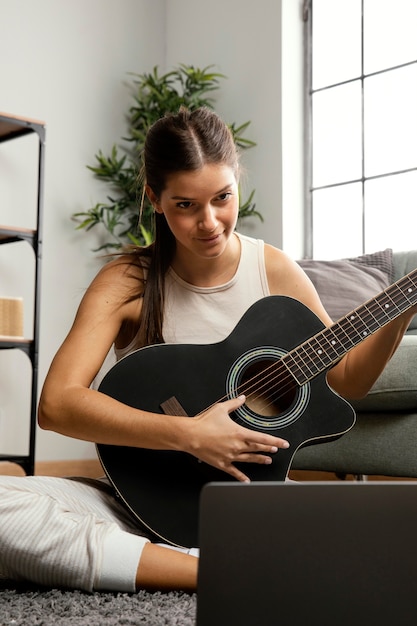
[[153, 95]]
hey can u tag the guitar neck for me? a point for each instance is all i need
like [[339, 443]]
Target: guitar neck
[[323, 350]]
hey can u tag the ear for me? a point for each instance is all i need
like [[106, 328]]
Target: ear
[[153, 199]]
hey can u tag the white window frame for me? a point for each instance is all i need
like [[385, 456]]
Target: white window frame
[[309, 92]]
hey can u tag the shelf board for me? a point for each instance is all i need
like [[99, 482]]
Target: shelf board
[[12, 126], [20, 459], [9, 234], [7, 341]]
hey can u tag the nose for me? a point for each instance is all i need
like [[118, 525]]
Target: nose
[[207, 218]]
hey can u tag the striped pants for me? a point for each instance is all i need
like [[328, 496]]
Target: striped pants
[[67, 533]]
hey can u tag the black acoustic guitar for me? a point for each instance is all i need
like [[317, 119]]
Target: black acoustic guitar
[[278, 356]]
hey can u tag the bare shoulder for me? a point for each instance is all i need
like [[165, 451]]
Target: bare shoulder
[[111, 303], [115, 291], [287, 278], [125, 267], [120, 278]]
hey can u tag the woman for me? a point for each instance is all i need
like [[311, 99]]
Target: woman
[[191, 285]]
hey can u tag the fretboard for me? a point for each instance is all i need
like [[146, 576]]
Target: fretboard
[[320, 352]]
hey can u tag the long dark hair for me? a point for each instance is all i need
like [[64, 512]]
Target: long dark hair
[[185, 141]]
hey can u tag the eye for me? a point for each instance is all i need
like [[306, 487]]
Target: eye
[[185, 204], [223, 197]]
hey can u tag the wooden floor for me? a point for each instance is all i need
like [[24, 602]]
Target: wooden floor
[[89, 468], [92, 469]]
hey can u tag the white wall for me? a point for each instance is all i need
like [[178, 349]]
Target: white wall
[[258, 46], [292, 124], [67, 61], [243, 41]]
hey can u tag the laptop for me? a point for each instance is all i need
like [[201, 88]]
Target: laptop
[[307, 554]]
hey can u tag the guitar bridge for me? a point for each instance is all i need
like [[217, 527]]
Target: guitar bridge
[[173, 407]]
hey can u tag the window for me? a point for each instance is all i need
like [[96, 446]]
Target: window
[[362, 126]]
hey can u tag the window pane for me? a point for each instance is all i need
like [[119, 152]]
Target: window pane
[[337, 222], [391, 213], [389, 33], [336, 41], [337, 140], [390, 102]]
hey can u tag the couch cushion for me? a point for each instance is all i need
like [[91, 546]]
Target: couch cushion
[[404, 263], [345, 284], [382, 260], [396, 388]]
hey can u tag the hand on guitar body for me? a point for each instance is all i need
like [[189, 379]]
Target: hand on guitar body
[[216, 439], [191, 285]]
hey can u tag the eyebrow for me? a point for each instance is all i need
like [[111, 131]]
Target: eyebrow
[[215, 194]]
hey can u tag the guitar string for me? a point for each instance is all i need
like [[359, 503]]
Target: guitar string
[[272, 374], [370, 309], [368, 315]]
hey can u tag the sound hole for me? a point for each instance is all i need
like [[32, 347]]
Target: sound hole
[[269, 389]]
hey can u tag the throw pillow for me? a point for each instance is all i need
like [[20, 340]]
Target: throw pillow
[[345, 284], [406, 262], [396, 388]]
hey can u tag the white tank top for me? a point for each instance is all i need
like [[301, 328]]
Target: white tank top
[[209, 314]]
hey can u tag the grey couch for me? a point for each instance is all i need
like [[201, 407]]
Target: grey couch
[[384, 438]]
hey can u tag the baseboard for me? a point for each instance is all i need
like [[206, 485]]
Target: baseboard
[[86, 467]]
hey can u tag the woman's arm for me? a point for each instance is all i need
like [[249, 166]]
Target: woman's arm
[[357, 371], [69, 406]]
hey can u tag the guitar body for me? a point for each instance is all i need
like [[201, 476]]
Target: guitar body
[[162, 488]]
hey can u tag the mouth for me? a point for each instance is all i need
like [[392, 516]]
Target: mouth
[[210, 239]]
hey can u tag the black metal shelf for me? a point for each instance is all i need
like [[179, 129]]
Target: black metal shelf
[[22, 460], [13, 127], [11, 234], [17, 343]]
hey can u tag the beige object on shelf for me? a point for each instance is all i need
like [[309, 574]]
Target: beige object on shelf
[[11, 317]]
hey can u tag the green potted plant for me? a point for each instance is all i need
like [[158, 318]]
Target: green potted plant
[[154, 95]]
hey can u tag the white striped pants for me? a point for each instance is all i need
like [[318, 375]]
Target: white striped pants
[[67, 533]]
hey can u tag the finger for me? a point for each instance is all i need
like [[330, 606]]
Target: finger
[[260, 459], [234, 403], [262, 438], [261, 447], [235, 473], [271, 444], [283, 443]]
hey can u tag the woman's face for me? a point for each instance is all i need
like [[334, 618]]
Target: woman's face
[[201, 208]]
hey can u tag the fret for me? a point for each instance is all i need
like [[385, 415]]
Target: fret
[[319, 352], [307, 361], [383, 310], [395, 308], [342, 335], [328, 346], [353, 327], [360, 324], [333, 344], [408, 293], [295, 367], [397, 296], [373, 321], [411, 280], [379, 308]]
